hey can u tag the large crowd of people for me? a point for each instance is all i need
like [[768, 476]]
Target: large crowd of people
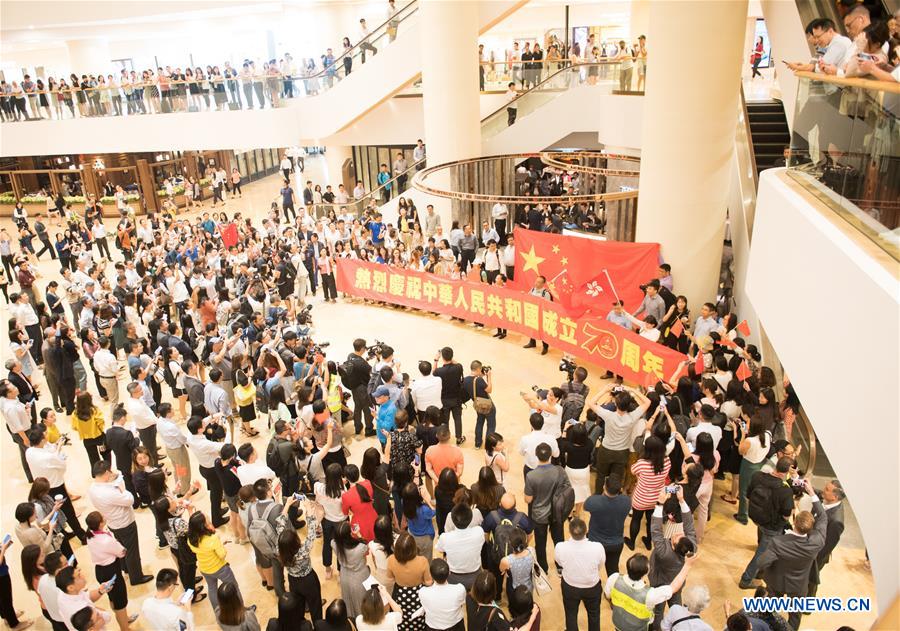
[[179, 355]]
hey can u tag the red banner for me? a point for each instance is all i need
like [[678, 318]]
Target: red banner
[[590, 338], [585, 274]]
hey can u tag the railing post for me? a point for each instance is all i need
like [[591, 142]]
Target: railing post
[[148, 188]]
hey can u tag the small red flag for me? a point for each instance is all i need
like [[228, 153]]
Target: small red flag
[[743, 371], [677, 328], [743, 328], [229, 235], [698, 363], [727, 341]]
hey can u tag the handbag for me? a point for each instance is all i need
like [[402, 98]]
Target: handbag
[[539, 577], [483, 405]]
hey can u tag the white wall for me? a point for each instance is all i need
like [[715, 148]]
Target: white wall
[[788, 44], [831, 313]]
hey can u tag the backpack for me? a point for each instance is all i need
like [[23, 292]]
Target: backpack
[[501, 535], [375, 380], [563, 499], [573, 404], [273, 458], [262, 399], [760, 503], [261, 533]]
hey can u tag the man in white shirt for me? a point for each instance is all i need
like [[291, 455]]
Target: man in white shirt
[[707, 322], [443, 602], [632, 599], [160, 612], [46, 461], [512, 108], [500, 214], [581, 561], [364, 43], [426, 390], [206, 452], [108, 495], [286, 167], [612, 455], [18, 421], [74, 596], [143, 417], [215, 398], [488, 233], [707, 414], [529, 442], [107, 367], [419, 154], [46, 587], [462, 547], [175, 442], [252, 470], [509, 257]]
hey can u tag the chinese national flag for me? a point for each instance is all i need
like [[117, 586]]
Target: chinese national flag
[[743, 328], [677, 328], [587, 265], [229, 235], [698, 363], [727, 342], [743, 372]]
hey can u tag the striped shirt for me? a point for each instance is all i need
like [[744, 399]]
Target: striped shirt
[[649, 484]]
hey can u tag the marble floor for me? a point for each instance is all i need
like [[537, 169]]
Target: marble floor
[[725, 551]]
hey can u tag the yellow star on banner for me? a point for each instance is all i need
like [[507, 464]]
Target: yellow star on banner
[[564, 260], [556, 249], [532, 261]]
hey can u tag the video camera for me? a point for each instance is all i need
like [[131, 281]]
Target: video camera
[[374, 350], [304, 317], [567, 365]]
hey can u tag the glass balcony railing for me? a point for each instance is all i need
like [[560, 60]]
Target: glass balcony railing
[[214, 88], [845, 150], [605, 75]]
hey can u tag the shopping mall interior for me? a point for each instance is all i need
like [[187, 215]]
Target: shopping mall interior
[[214, 203]]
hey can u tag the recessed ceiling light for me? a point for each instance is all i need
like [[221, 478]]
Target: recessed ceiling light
[[31, 27]]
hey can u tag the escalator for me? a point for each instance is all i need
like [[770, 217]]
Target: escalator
[[769, 133], [566, 101]]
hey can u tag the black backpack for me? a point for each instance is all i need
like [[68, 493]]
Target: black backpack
[[760, 503], [501, 534], [273, 458], [573, 404]]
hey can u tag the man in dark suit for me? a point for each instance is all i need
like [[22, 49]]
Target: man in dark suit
[[833, 502], [121, 442], [27, 392], [311, 259], [788, 558]]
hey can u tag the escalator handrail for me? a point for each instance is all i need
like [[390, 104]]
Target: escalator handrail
[[376, 192], [550, 77], [373, 34]]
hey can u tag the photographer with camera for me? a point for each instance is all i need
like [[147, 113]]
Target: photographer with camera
[[575, 391], [477, 388], [451, 376], [770, 499], [355, 374], [669, 553]]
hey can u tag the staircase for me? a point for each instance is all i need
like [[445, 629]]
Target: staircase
[[769, 132]]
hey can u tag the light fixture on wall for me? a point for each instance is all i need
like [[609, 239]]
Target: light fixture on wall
[[99, 165]]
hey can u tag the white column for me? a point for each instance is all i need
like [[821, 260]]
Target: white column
[[335, 156], [640, 19], [91, 55], [689, 131], [450, 83]]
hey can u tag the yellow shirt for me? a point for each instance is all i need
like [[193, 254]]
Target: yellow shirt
[[210, 554], [245, 395], [91, 428], [52, 434]]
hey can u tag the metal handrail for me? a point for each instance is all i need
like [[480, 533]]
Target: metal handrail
[[375, 193]]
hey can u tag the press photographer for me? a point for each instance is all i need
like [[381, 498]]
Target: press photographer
[[355, 373]]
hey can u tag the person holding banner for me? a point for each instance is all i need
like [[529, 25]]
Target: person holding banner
[[540, 290]]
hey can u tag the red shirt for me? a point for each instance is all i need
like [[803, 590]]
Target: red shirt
[[361, 513]]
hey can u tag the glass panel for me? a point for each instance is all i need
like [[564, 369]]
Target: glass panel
[[267, 159], [604, 76], [845, 149], [260, 164]]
